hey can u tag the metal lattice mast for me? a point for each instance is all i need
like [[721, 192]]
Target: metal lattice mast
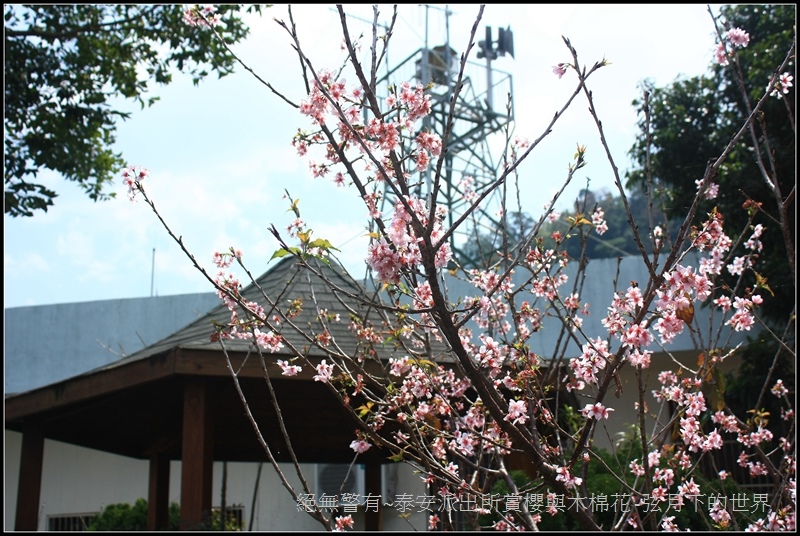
[[477, 118]]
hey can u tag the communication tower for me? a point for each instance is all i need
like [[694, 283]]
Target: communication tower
[[483, 108]]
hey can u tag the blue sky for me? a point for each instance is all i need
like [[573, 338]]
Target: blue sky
[[220, 153]]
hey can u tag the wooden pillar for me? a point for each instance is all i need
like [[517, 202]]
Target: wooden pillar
[[197, 462], [373, 517], [29, 487], [158, 492]]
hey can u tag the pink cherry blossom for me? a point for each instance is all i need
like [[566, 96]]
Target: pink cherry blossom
[[324, 372], [782, 85], [201, 16], [711, 191], [639, 358], [132, 176], [288, 368], [723, 302], [728, 422], [738, 265], [738, 37], [721, 54], [637, 336], [600, 225], [563, 475], [464, 443], [560, 69], [416, 100], [713, 441], [222, 260], [344, 522], [636, 468], [268, 340], [695, 403], [669, 326], [517, 412], [360, 446], [596, 411], [742, 320], [668, 524], [689, 488], [667, 476], [779, 389]]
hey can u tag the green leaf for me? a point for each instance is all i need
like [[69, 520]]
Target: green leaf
[[282, 252], [322, 244]]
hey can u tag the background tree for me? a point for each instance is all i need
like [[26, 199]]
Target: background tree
[[486, 242], [618, 240], [693, 120], [64, 65]]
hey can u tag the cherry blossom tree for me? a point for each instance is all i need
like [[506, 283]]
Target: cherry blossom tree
[[450, 382]]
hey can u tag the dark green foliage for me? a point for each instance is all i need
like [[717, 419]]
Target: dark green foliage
[[64, 66], [576, 240], [619, 239], [693, 120], [124, 517]]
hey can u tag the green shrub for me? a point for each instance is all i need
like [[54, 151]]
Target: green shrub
[[124, 517]]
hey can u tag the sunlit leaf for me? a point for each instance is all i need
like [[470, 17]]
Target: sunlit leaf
[[322, 244], [280, 253], [365, 409]]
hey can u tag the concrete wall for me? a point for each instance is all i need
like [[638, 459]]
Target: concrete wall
[[49, 343], [598, 291]]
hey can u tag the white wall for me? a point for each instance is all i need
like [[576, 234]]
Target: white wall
[[77, 480]]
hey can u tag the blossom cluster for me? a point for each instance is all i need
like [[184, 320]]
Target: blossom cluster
[[132, 176], [782, 85], [249, 327], [382, 138], [400, 249], [735, 37], [197, 15], [331, 102]]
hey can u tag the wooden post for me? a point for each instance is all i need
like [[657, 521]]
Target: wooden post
[[158, 492], [373, 517], [197, 454], [29, 488]]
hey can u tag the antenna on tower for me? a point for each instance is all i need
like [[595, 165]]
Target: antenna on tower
[[505, 44]]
